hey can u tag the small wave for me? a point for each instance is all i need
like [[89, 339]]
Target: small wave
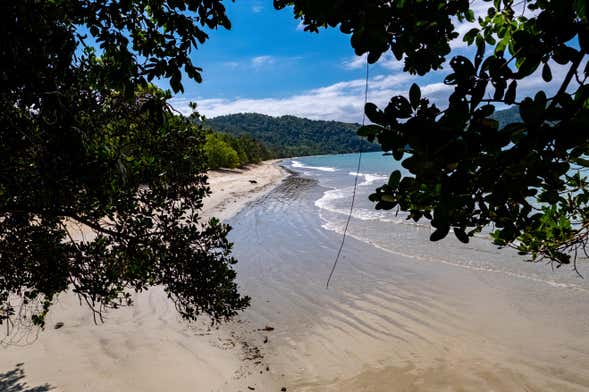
[[369, 178], [300, 165], [327, 203], [334, 227]]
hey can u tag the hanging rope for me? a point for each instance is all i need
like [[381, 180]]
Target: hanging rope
[[341, 247]]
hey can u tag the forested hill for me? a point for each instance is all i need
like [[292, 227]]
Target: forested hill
[[289, 136], [507, 116]]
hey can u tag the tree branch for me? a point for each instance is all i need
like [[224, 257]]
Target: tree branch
[[567, 80]]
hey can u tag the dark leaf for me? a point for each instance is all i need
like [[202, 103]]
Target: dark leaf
[[440, 233], [460, 233], [546, 73], [414, 95]]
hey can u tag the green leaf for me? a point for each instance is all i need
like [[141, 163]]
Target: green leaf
[[388, 198], [580, 7], [470, 35], [528, 67], [532, 111], [485, 110], [373, 114], [540, 101], [398, 154], [511, 92]]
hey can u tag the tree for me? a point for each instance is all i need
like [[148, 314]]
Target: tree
[[219, 153], [87, 144], [526, 178], [289, 136]]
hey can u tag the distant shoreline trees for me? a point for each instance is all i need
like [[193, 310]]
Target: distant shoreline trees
[[226, 151], [289, 136]]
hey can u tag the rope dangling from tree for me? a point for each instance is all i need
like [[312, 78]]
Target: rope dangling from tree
[[341, 247]]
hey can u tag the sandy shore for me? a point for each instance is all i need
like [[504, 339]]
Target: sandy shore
[[146, 347], [235, 188], [388, 322], [393, 322]]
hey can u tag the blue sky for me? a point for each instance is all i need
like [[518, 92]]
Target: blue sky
[[267, 64]]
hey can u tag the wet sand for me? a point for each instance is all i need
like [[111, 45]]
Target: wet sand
[[388, 322], [395, 323]]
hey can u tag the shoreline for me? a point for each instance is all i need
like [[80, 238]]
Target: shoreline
[[397, 317], [233, 190], [148, 347], [388, 322]]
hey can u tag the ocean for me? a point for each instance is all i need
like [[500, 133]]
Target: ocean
[[393, 233], [400, 310]]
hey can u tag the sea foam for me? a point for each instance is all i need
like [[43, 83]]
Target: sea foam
[[369, 178], [299, 165]]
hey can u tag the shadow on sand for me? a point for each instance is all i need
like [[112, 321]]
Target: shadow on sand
[[13, 381]]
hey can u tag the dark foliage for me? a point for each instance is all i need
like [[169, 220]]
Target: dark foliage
[[289, 136], [524, 177], [86, 144]]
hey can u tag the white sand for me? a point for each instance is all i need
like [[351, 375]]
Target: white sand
[[232, 189], [147, 347], [386, 324]]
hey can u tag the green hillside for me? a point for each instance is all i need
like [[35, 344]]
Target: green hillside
[[289, 136], [507, 116]]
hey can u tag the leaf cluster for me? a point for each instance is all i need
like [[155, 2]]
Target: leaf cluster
[[416, 30], [466, 171], [101, 183]]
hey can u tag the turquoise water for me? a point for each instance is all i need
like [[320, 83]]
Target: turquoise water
[[372, 162], [391, 231]]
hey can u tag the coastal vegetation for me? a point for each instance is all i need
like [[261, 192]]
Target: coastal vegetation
[[101, 182], [241, 139], [225, 151], [289, 136]]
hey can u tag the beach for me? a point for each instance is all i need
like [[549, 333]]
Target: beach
[[146, 347], [401, 314], [233, 189]]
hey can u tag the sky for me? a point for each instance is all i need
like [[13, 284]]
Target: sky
[[267, 64]]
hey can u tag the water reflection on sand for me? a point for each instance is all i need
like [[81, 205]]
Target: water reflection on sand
[[393, 321]]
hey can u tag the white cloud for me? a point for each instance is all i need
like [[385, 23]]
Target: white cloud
[[341, 101], [386, 61], [261, 61], [300, 26], [231, 64], [344, 100], [355, 62]]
